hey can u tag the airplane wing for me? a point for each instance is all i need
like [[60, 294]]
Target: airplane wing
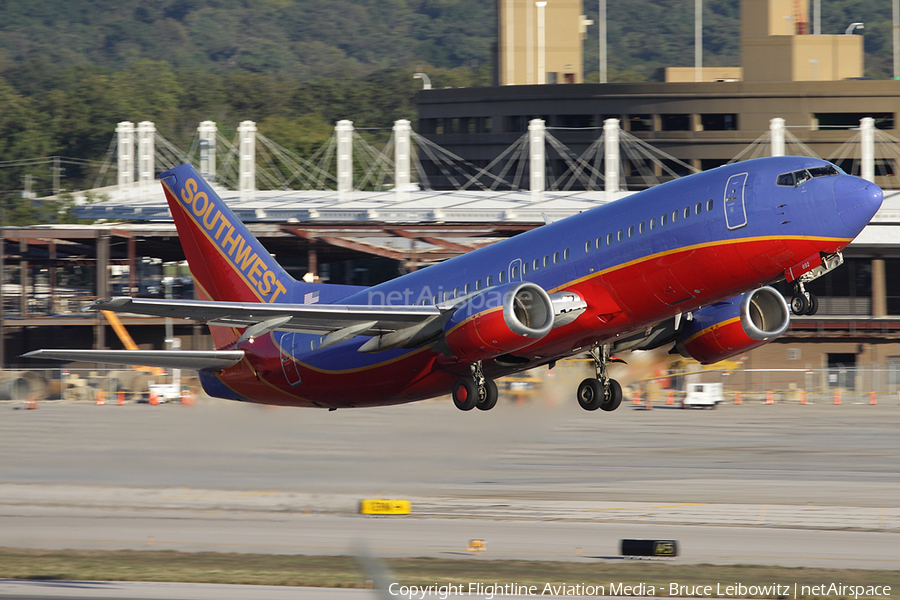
[[338, 321], [172, 359]]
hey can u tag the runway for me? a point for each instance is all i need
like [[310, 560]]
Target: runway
[[785, 484]]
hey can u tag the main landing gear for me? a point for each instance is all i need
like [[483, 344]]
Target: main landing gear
[[803, 303], [476, 391], [600, 392]]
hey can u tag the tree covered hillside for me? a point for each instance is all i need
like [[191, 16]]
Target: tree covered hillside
[[69, 71]]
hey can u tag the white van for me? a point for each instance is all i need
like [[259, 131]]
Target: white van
[[703, 395]]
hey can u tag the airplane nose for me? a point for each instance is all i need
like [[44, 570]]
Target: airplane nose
[[856, 201]]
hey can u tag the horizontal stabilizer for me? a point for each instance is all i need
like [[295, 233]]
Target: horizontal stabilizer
[[168, 359]]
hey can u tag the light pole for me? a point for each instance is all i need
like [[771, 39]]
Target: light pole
[[698, 40], [426, 81], [601, 20], [541, 68]]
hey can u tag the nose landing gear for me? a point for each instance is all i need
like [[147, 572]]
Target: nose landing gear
[[803, 303]]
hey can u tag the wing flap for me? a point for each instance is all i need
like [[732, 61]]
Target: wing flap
[[168, 359], [303, 318]]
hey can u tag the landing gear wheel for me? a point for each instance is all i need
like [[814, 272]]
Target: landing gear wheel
[[813, 305], [487, 395], [800, 304], [465, 394], [590, 394], [612, 397]]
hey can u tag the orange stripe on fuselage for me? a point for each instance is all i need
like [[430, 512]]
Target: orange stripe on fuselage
[[711, 329]]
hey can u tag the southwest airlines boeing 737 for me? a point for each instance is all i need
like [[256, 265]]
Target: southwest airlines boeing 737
[[685, 265]]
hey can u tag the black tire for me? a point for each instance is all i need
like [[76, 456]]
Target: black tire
[[799, 304], [612, 397], [465, 394], [813, 305], [590, 394], [487, 395]]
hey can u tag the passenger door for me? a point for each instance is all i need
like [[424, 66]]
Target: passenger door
[[735, 210]]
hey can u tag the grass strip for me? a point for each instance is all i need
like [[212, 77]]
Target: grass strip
[[345, 572]]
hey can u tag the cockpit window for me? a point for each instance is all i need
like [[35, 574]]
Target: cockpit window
[[786, 179], [803, 175], [825, 171]]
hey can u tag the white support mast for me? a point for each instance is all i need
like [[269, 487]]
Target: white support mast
[[207, 134], [146, 132], [611, 152], [537, 158], [247, 162], [344, 132], [402, 149], [867, 148], [125, 149], [776, 133]]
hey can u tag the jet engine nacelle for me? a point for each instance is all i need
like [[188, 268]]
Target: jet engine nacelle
[[499, 320], [728, 328]]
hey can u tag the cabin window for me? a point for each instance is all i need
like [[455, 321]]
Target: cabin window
[[652, 223], [566, 254], [599, 242], [609, 239], [456, 292], [446, 295], [698, 209], [490, 280], [687, 211], [536, 264], [435, 298], [620, 235], [546, 260], [514, 272], [709, 205], [468, 289], [525, 268], [477, 284], [642, 227], [662, 220], [555, 258], [501, 277], [587, 246], [631, 231], [674, 216]]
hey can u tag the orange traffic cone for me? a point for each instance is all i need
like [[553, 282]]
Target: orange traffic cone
[[873, 399], [101, 400], [770, 397], [153, 399], [670, 398], [737, 398], [802, 396], [120, 398], [187, 398], [31, 403], [837, 396]]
